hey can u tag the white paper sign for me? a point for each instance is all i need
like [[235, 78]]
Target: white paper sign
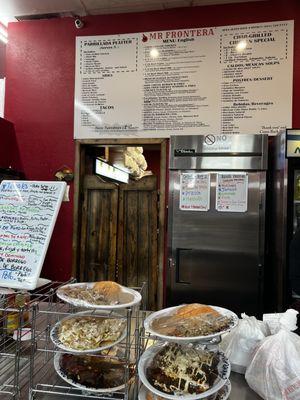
[[232, 192], [28, 211], [194, 191], [230, 79]]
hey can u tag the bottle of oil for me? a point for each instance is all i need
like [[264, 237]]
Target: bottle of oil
[[19, 318]]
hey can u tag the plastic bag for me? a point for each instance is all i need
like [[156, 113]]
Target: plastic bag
[[241, 342], [274, 372]]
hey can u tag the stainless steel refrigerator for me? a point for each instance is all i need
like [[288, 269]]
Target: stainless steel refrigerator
[[216, 221]]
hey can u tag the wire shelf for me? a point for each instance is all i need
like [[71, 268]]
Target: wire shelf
[[44, 382], [27, 363]]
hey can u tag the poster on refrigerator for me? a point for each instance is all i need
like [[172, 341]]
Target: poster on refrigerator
[[194, 191], [215, 80], [232, 192]]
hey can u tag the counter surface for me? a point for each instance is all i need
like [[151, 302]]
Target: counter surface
[[45, 375], [240, 389]]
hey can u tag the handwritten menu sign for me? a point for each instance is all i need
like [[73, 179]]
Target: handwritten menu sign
[[232, 192], [28, 211], [194, 191]]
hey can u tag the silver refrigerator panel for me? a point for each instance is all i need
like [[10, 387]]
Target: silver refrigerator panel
[[278, 235], [217, 257], [219, 152]]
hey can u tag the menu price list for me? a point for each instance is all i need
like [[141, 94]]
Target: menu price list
[[26, 218], [231, 79], [256, 75]]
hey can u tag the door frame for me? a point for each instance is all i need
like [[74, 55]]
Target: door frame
[[81, 146]]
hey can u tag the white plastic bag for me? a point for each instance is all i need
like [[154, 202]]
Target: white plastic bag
[[240, 343], [274, 372]]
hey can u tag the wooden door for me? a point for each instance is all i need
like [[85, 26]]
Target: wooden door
[[119, 234], [98, 230], [137, 237]]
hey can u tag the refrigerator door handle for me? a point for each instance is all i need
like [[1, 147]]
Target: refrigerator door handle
[[177, 265], [171, 263], [260, 270]]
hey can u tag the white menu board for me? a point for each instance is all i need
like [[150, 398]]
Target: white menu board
[[230, 79], [232, 192], [28, 211], [194, 191]]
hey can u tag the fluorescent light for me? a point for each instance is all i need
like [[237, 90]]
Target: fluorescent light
[[3, 33], [3, 38], [104, 169], [154, 53], [241, 46], [4, 20]]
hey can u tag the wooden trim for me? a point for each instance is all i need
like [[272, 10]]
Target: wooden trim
[[82, 236], [113, 226], [95, 182], [119, 141], [120, 233], [161, 223], [80, 151], [145, 183], [76, 210], [154, 271]]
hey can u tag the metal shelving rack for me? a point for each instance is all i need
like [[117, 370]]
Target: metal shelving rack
[[14, 356], [44, 382]]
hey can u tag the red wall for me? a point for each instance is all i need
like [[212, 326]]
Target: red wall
[[9, 152], [40, 86]]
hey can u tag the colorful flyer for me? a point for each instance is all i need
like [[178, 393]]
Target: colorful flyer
[[232, 192], [194, 191]]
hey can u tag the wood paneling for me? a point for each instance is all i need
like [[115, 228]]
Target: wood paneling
[[137, 237], [129, 245], [119, 234], [99, 230]]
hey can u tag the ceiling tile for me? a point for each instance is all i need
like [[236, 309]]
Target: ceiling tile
[[213, 2], [176, 3], [34, 7], [125, 9], [16, 8], [121, 6]]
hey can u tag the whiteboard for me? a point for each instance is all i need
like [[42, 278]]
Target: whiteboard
[[232, 192], [28, 212], [194, 191]]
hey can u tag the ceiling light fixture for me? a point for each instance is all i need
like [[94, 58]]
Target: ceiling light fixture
[[154, 53], [3, 33], [241, 46]]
